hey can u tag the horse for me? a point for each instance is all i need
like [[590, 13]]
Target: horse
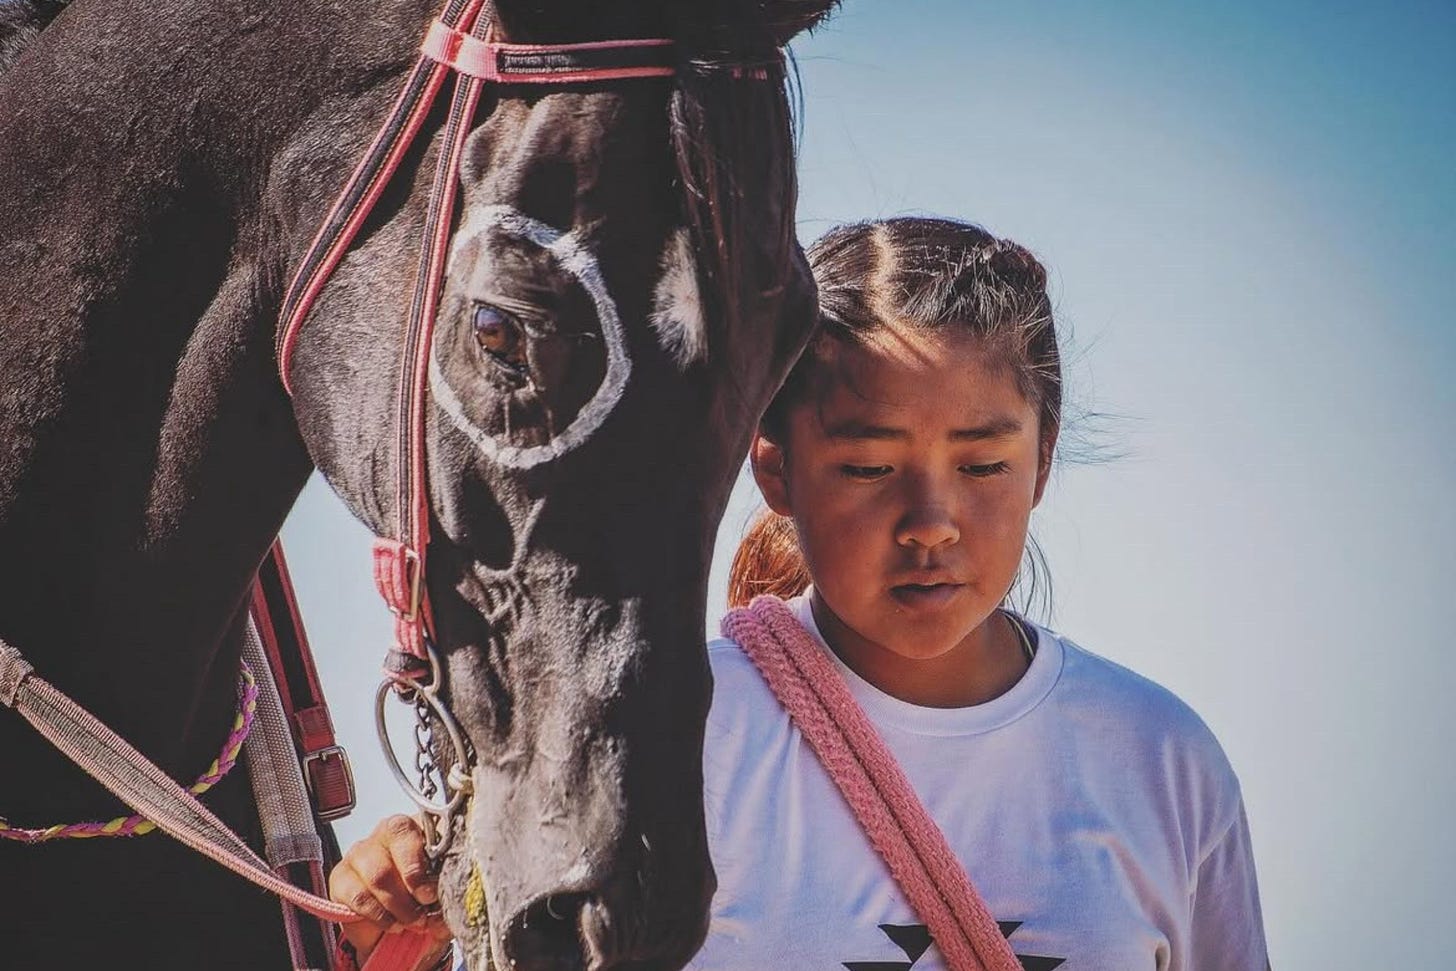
[[624, 292]]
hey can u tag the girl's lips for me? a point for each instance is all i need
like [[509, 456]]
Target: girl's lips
[[925, 596]]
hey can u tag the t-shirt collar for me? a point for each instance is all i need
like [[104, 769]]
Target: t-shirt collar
[[886, 710]]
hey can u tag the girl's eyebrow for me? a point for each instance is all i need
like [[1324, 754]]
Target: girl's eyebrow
[[1002, 426], [858, 431]]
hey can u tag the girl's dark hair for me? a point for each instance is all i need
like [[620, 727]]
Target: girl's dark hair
[[939, 275], [935, 274]]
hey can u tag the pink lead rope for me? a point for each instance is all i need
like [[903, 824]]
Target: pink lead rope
[[809, 687]]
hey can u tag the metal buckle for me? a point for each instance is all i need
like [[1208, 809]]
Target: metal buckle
[[334, 812], [411, 614]]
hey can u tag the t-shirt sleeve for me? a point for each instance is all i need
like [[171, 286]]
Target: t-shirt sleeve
[[1227, 927]]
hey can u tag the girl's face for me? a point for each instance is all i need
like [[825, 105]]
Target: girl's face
[[911, 477]]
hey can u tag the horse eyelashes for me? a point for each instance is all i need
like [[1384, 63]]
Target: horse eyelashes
[[500, 335]]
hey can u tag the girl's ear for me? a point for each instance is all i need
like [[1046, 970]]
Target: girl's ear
[[767, 459], [1044, 464]]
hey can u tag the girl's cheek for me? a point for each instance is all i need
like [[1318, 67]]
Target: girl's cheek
[[854, 510]]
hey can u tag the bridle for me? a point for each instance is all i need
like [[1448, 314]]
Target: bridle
[[460, 40]]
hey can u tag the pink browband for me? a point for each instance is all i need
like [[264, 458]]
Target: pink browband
[[490, 60]]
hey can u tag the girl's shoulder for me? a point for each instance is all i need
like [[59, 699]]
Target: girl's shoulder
[[1131, 700], [738, 689], [725, 654], [1146, 728]]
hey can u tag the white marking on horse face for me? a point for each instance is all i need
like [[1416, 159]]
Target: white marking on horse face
[[677, 309], [577, 260]]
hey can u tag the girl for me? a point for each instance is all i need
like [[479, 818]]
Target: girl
[[1094, 811]]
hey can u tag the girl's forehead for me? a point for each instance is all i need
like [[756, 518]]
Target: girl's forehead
[[908, 358], [929, 377]]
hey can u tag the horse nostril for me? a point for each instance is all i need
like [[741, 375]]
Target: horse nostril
[[548, 934], [583, 931]]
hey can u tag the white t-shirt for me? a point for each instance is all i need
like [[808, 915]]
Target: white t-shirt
[[1094, 811]]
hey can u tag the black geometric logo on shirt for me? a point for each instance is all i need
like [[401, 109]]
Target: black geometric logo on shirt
[[914, 940]]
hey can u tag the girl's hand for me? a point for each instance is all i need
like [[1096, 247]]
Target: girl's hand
[[386, 879]]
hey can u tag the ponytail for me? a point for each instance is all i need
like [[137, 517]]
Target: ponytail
[[768, 561]]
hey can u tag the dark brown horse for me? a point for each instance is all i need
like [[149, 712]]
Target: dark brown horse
[[163, 166]]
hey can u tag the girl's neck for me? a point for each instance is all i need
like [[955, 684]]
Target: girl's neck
[[983, 666]]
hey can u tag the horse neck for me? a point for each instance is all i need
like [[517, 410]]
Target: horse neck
[[150, 454]]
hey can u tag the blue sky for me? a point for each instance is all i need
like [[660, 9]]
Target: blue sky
[[1247, 210]]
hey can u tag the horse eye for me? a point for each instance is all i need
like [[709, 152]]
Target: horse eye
[[498, 334]]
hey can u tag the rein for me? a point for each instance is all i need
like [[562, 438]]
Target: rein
[[462, 41], [138, 825], [137, 781]]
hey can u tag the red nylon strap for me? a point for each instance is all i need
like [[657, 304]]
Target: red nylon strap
[[369, 180], [404, 951], [280, 627]]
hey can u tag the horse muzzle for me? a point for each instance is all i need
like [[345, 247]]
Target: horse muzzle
[[556, 878]]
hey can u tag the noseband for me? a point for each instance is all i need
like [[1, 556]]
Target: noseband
[[461, 41]]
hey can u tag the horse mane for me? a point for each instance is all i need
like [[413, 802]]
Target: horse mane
[[730, 119]]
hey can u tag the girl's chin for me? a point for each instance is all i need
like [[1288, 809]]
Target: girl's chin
[[918, 652], [922, 642], [925, 637]]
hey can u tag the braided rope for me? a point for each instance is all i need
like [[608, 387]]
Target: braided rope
[[139, 825], [803, 678]]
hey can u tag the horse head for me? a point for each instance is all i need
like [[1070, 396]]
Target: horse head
[[623, 294]]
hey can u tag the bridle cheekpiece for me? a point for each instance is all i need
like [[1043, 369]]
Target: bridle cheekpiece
[[460, 41]]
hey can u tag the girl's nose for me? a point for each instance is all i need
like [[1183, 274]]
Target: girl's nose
[[928, 527]]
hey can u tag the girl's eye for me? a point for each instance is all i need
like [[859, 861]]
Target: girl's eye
[[865, 473], [499, 334], [982, 471]]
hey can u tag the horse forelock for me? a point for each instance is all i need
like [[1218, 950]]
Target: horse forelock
[[731, 123]]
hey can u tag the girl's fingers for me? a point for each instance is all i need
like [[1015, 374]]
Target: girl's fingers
[[405, 842], [348, 888], [382, 881], [386, 878]]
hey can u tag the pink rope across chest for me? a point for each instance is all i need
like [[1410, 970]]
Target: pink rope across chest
[[806, 683], [138, 825]]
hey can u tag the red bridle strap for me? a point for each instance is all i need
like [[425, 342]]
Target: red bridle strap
[[363, 188], [413, 497]]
